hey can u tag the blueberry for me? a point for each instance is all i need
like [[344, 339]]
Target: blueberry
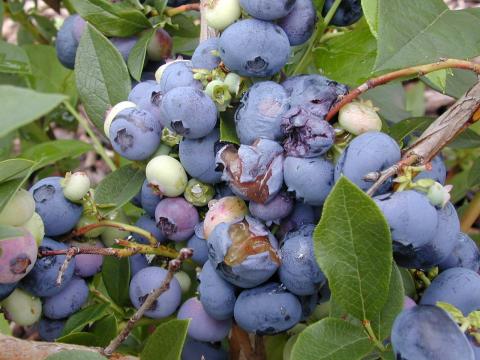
[[177, 74], [87, 265], [253, 172], [147, 96], [413, 222], [370, 152], [135, 134], [302, 214], [275, 210], [6, 290], [457, 286], [198, 350], [18, 254], [58, 214], [147, 280], [267, 309], [408, 303], [260, 112], [198, 157], [310, 178], [306, 135], [137, 263], [41, 281], [176, 218], [19, 209], [149, 198], [50, 330], [299, 24], [216, 295], [267, 9], [68, 38], [146, 222], [225, 210], [349, 12], [427, 332], [67, 301], [243, 252], [202, 326], [124, 45], [299, 271], [199, 245], [438, 172], [205, 55], [188, 112], [465, 254], [254, 48]]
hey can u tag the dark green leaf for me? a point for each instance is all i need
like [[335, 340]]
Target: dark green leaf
[[466, 140], [227, 128], [331, 339], [185, 25], [117, 19], [79, 338], [404, 128], [460, 186], [274, 346], [14, 168], [354, 249], [166, 343], [473, 174], [76, 355], [116, 277], [160, 5], [13, 59], [136, 59], [184, 45], [119, 187], [8, 232], [390, 99], [2, 11], [101, 75], [408, 283], [22, 106], [105, 330], [88, 315]]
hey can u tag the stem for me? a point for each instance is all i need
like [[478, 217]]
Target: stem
[[100, 296], [23, 20], [421, 275], [419, 70], [371, 335], [95, 141], [471, 214], [180, 9]]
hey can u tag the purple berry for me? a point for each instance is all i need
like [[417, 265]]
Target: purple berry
[[273, 211], [18, 253], [176, 218]]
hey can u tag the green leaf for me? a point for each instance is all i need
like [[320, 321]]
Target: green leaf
[[22, 106], [473, 174], [429, 32], [53, 151], [457, 82], [438, 79], [8, 189], [390, 99], [348, 58], [88, 315], [370, 11], [274, 346], [14, 168], [2, 12], [13, 59], [105, 330], [408, 283], [460, 186], [354, 249], [382, 323], [101, 75], [117, 19], [404, 128], [415, 102], [466, 140], [331, 339], [166, 343], [119, 187], [4, 325], [7, 232], [76, 355], [116, 278], [227, 127], [79, 338], [136, 59]]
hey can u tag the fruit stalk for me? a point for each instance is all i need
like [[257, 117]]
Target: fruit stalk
[[182, 8]]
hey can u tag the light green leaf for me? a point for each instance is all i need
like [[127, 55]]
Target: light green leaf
[[404, 128], [88, 315], [415, 102], [8, 189], [370, 11], [76, 355], [438, 79], [457, 82], [14, 101], [136, 59], [166, 343], [13, 59], [101, 75], [354, 249], [331, 339], [14, 168]]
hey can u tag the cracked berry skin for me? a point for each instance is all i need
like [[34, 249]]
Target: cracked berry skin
[[198, 157], [176, 218], [299, 271], [254, 48], [135, 134], [17, 256], [68, 301], [147, 280], [149, 199], [427, 332], [199, 245], [370, 152], [299, 24], [50, 330], [124, 45], [216, 295], [267, 309], [7, 289], [41, 281], [224, 210], [197, 350], [202, 326], [147, 96], [147, 222], [273, 211], [243, 262], [260, 112], [306, 135], [188, 112], [58, 214], [348, 13], [267, 9], [438, 172], [68, 38], [311, 179], [178, 74], [204, 56], [137, 263], [413, 222], [253, 172], [465, 254]]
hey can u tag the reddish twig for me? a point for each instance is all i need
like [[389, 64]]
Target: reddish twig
[[181, 9], [173, 266]]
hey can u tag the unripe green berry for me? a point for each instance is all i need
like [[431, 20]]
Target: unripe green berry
[[35, 227], [198, 193], [359, 117], [221, 13], [109, 234], [113, 113], [75, 186], [167, 175], [89, 219], [22, 308], [184, 281], [19, 209]]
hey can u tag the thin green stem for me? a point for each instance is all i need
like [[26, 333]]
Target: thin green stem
[[421, 275], [96, 142], [471, 214], [100, 296], [368, 327]]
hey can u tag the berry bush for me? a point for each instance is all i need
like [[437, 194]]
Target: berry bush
[[239, 179]]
